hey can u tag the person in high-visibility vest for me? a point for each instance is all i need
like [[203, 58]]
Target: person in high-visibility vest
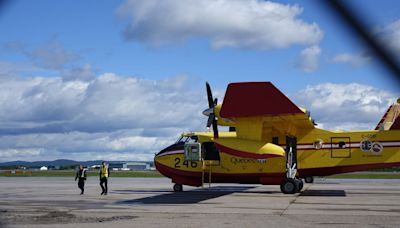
[[81, 176], [104, 174]]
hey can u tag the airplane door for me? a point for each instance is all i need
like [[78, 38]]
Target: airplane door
[[210, 151], [340, 147]]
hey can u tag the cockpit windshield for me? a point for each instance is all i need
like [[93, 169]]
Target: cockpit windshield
[[187, 139]]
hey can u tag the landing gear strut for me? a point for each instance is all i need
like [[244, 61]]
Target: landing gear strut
[[178, 188], [291, 184]]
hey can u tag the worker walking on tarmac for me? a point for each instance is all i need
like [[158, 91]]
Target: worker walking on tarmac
[[81, 176], [104, 174]]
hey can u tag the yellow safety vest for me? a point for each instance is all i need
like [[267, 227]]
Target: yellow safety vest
[[104, 171]]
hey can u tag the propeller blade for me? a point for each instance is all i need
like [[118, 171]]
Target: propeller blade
[[210, 120], [215, 128], [211, 104], [209, 96]]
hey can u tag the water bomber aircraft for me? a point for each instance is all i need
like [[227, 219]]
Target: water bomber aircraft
[[272, 141]]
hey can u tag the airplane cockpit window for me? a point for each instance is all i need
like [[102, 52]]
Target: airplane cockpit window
[[192, 139], [182, 139], [185, 139]]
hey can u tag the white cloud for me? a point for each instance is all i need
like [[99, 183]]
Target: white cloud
[[84, 146], [108, 114], [127, 118], [345, 106], [252, 24], [390, 36], [106, 103], [52, 56], [309, 57], [84, 73], [20, 153], [8, 68], [353, 59]]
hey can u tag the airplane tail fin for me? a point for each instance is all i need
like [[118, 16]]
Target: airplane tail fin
[[391, 118]]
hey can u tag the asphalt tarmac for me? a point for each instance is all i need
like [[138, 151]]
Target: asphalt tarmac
[[150, 202]]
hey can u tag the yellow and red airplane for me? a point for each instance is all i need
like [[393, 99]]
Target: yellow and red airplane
[[272, 141]]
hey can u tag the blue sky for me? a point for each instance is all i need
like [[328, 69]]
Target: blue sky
[[71, 69]]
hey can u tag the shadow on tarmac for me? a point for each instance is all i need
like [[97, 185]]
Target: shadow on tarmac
[[323, 193], [188, 197]]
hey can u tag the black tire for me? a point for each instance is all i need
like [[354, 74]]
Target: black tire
[[178, 188], [309, 180], [300, 185], [289, 186]]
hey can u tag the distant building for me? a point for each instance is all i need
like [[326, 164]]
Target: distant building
[[116, 166], [43, 168], [126, 166], [136, 166]]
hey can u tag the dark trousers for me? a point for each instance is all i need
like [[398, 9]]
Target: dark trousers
[[104, 188], [81, 185]]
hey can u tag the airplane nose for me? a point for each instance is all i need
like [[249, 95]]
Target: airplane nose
[[208, 111]]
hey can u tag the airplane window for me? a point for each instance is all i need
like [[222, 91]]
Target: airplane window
[[182, 139], [342, 144], [185, 139], [179, 139], [192, 139]]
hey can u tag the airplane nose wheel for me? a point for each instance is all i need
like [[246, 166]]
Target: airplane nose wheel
[[178, 188]]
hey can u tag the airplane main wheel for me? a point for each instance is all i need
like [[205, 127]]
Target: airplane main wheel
[[289, 186], [178, 188], [309, 180]]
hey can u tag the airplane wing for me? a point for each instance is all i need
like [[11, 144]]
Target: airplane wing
[[260, 112]]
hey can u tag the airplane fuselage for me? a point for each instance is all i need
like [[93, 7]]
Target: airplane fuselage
[[319, 153]]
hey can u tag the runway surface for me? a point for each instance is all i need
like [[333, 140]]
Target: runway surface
[[150, 202]]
